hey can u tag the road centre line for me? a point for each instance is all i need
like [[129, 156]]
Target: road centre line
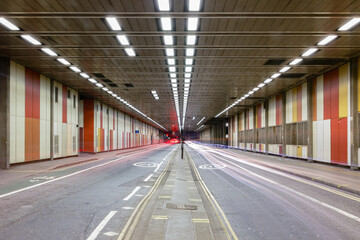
[[132, 193], [147, 179], [103, 223], [69, 175]]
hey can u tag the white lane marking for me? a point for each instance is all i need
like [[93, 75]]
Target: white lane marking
[[156, 169], [128, 208], [132, 193], [69, 175], [111, 234], [147, 179], [98, 229]]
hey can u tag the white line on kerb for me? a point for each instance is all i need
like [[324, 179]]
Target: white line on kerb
[[98, 229], [147, 179], [132, 193]]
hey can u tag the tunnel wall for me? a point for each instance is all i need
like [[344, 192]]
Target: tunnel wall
[[261, 128]]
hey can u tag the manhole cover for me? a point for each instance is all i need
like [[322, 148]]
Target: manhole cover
[[212, 166], [146, 164], [181, 206]]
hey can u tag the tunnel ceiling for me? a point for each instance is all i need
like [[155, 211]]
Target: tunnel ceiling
[[238, 45]]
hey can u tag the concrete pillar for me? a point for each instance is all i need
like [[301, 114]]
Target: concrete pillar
[[52, 119], [266, 106], [245, 130], [354, 131], [254, 129], [283, 126], [310, 121], [4, 113]]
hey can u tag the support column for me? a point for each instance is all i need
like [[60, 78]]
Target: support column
[[254, 128], [266, 106], [283, 125], [309, 121], [354, 131], [52, 119], [245, 130], [4, 113]]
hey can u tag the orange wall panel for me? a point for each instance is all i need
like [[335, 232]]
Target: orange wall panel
[[343, 141], [89, 125], [299, 103], [334, 140], [327, 95], [278, 110]]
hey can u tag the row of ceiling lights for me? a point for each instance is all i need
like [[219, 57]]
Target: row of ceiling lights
[[123, 40], [192, 25], [347, 26]]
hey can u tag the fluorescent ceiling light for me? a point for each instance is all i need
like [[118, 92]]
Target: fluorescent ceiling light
[[123, 39], [190, 52], [327, 40], [174, 85], [49, 52], [113, 23], [163, 5], [295, 61], [187, 75], [174, 80], [255, 89], [194, 5], [105, 89], [63, 61], [8, 24], [189, 61], [172, 69], [92, 80], [275, 75], [261, 85], [285, 69], [200, 121], [130, 52], [190, 40], [99, 85], [114, 95], [110, 92], [188, 69], [187, 80], [309, 52], [153, 92], [268, 80], [171, 61], [84, 75], [75, 69], [170, 52], [246, 95], [250, 92], [166, 24], [349, 24], [168, 40], [31, 40], [173, 75], [192, 24]]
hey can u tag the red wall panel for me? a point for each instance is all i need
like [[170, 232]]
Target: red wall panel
[[258, 116], [343, 140], [36, 95], [334, 110], [88, 125], [334, 140], [28, 93], [64, 104], [278, 110]]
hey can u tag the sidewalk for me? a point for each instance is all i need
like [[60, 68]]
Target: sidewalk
[[331, 175]]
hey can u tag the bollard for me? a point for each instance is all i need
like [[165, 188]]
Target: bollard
[[182, 150]]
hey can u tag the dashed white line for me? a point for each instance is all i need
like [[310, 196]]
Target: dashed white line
[[132, 193], [156, 169], [147, 179], [98, 229]]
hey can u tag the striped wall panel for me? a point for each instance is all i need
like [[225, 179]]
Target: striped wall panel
[[275, 111], [296, 104], [260, 116], [249, 119]]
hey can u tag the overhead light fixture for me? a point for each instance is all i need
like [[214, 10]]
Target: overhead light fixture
[[105, 89], [31, 40], [285, 69], [295, 61], [189, 61], [164, 5], [109, 92], [187, 75], [123, 40], [166, 24], [153, 92], [99, 85], [130, 52], [261, 85], [113, 23], [174, 85], [188, 69], [49, 52], [275, 75], [327, 40], [171, 61], [8, 24], [75, 69], [349, 24], [172, 69], [250, 92], [194, 5], [187, 80], [255, 89], [192, 24], [173, 80], [63, 61], [193, 118], [309, 52], [84, 75], [186, 85], [170, 52], [246, 95], [92, 80], [267, 81], [168, 40], [190, 40], [173, 75], [200, 121], [189, 52]]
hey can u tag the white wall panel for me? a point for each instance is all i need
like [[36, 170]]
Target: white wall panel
[[320, 98], [327, 140], [289, 106], [315, 140]]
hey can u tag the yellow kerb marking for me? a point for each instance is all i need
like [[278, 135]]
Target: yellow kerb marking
[[200, 220], [165, 197], [195, 200], [159, 217]]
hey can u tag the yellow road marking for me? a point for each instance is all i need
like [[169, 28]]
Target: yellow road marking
[[200, 220], [159, 217], [165, 197], [195, 200]]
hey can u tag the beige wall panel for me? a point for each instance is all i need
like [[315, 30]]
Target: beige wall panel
[[12, 139], [81, 113], [20, 90], [327, 140], [13, 89], [315, 140], [320, 98], [251, 118], [304, 102], [289, 106], [43, 137], [20, 139]]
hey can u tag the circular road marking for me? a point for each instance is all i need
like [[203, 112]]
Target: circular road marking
[[212, 166], [146, 164]]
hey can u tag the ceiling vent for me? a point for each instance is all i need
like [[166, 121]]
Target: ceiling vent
[[99, 75], [128, 85], [106, 80], [292, 75], [274, 62], [329, 62], [112, 85]]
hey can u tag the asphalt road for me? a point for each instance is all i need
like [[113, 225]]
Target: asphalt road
[[90, 201], [261, 203]]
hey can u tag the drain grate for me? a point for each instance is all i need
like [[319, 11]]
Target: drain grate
[[181, 206]]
